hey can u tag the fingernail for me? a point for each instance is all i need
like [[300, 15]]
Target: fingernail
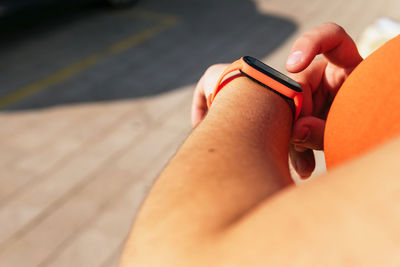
[[302, 168], [302, 135], [294, 58]]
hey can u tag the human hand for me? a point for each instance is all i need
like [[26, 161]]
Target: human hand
[[320, 79], [204, 88]]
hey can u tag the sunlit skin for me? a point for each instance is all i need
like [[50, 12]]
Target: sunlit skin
[[227, 198]]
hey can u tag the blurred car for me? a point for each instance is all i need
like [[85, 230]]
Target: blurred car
[[11, 6]]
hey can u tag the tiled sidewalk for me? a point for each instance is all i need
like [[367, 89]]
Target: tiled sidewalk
[[72, 177]]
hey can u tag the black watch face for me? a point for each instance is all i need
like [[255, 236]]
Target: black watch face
[[273, 73]]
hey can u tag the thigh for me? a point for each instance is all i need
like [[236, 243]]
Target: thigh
[[348, 217]]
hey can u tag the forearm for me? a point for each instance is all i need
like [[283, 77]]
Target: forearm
[[235, 159]]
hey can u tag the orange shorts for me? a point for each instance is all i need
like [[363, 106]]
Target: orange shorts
[[366, 110]]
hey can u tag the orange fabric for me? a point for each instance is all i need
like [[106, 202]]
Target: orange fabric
[[366, 110]]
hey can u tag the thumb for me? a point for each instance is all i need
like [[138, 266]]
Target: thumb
[[308, 132]]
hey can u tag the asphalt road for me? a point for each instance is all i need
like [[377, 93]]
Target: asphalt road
[[89, 53]]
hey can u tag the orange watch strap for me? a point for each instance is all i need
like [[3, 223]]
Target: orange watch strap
[[237, 65], [270, 83], [276, 86], [221, 85]]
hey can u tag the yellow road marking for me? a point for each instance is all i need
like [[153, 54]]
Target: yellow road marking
[[140, 37], [53, 79], [163, 22]]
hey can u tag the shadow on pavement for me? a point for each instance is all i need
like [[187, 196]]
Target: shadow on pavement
[[206, 32]]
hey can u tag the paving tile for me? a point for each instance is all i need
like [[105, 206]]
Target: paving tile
[[12, 179], [81, 206], [73, 175], [29, 204]]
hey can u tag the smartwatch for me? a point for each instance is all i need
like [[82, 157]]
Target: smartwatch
[[266, 76]]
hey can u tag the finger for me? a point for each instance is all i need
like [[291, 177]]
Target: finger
[[203, 89], [308, 132], [199, 104], [211, 77], [329, 39], [302, 162], [309, 80]]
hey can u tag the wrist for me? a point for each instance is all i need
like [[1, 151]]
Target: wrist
[[243, 97], [253, 110]]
